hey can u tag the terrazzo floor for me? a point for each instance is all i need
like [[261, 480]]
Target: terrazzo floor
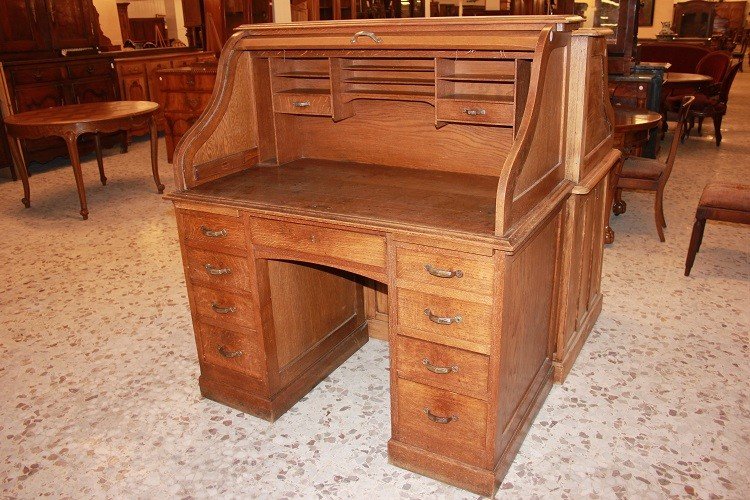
[[98, 380]]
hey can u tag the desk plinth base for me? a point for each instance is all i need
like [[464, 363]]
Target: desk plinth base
[[578, 338], [476, 479], [272, 408]]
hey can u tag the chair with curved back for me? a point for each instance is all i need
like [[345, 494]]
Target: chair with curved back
[[713, 107], [739, 55], [652, 175]]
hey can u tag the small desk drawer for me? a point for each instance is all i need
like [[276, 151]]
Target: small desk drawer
[[224, 307], [217, 269], [482, 112], [235, 350], [470, 273], [212, 231], [188, 102], [361, 248], [36, 74], [443, 422], [445, 320], [302, 104], [85, 70], [441, 366]]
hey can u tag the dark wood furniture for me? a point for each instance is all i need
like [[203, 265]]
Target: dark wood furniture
[[138, 79], [682, 57], [221, 17], [441, 158], [722, 201], [652, 175], [124, 19], [694, 18], [69, 123], [714, 107], [732, 13], [622, 19], [326, 10], [148, 29], [192, 14], [184, 94]]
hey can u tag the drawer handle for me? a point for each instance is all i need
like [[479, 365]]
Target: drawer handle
[[440, 420], [190, 81], [214, 271], [442, 320], [475, 111], [301, 104], [193, 102], [443, 273], [440, 370], [221, 233], [229, 354], [222, 310], [90, 70], [38, 75], [369, 34]]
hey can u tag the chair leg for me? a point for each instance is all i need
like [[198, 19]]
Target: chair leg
[[658, 216], [695, 243], [717, 129], [700, 125]]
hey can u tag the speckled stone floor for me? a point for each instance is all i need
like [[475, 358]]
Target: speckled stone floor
[[98, 391]]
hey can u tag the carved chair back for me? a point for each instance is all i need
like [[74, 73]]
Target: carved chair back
[[714, 65], [682, 118]]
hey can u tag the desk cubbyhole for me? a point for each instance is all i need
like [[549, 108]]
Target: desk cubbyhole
[[388, 79]]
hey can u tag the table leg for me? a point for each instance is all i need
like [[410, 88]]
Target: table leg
[[18, 160], [609, 234], [155, 153], [72, 141], [99, 160]]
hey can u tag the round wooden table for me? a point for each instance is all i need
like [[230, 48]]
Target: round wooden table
[[685, 79], [72, 121], [632, 128]]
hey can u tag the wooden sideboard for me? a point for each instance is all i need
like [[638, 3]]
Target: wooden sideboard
[[138, 79], [185, 93], [463, 164]]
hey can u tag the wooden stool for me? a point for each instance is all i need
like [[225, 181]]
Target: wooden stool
[[720, 201]]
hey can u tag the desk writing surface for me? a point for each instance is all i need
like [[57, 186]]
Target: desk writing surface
[[433, 199]]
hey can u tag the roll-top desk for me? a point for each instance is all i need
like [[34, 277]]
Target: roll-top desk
[[463, 164]]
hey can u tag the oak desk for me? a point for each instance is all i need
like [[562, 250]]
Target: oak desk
[[460, 163]]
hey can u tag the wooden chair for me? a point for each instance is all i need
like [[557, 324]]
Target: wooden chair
[[739, 55], [712, 107], [652, 175], [719, 201]]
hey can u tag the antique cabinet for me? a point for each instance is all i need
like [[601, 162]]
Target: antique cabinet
[[21, 30], [184, 94], [71, 23], [326, 10], [733, 13], [463, 164], [694, 18], [138, 79], [221, 17]]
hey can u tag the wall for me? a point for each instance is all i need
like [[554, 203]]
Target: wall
[[108, 20], [141, 8]]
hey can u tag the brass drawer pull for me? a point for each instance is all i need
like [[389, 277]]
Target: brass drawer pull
[[221, 233], [301, 104], [193, 102], [440, 370], [475, 111], [440, 420], [90, 70], [214, 271], [442, 320], [443, 273], [38, 75], [368, 34], [229, 354], [222, 310]]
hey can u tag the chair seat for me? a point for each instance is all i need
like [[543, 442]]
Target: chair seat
[[727, 196], [636, 167]]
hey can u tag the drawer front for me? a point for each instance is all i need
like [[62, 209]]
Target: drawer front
[[190, 102], [445, 320], [492, 113], [302, 104], [441, 366], [235, 350], [470, 273], [192, 82], [442, 422], [133, 68], [367, 249], [85, 70], [212, 231], [225, 307], [37, 75], [217, 269]]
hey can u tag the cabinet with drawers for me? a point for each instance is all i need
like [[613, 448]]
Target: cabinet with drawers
[[451, 190]]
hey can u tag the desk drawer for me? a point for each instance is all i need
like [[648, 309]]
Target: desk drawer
[[480, 112], [85, 70], [212, 231], [445, 320], [189, 102], [443, 422], [217, 269], [302, 104], [236, 350], [366, 249], [36, 74], [441, 366], [470, 273], [224, 307]]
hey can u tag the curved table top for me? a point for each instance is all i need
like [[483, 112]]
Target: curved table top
[[686, 79], [629, 119], [77, 114]]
